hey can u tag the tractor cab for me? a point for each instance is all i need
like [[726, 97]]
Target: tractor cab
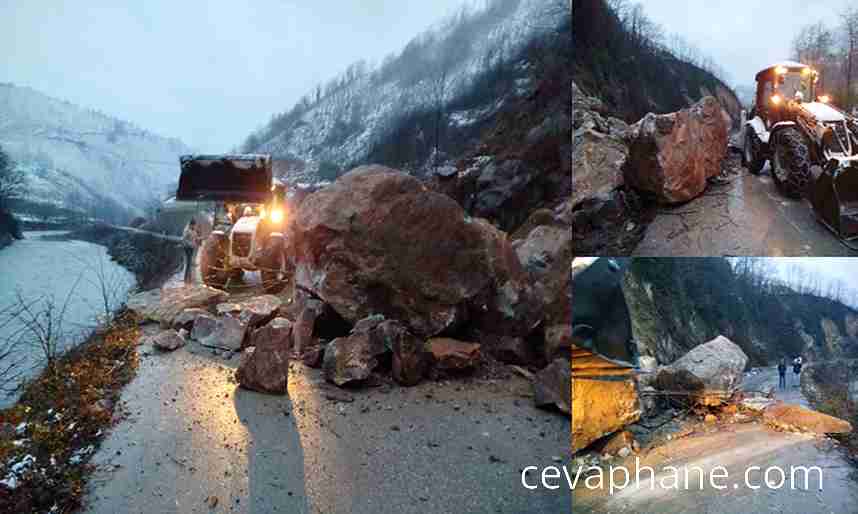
[[781, 85]]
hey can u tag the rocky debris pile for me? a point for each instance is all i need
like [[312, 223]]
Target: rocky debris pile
[[794, 418], [673, 155], [394, 280], [607, 217]]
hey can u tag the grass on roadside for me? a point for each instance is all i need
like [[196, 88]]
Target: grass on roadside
[[47, 438]]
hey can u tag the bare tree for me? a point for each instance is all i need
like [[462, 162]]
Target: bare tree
[[44, 322], [849, 29]]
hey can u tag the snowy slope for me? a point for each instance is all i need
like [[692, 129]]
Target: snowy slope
[[75, 155], [341, 127]]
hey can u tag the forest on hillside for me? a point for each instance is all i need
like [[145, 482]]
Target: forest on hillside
[[422, 106], [635, 65]]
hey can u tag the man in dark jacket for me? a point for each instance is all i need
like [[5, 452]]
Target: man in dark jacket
[[796, 368], [782, 373]]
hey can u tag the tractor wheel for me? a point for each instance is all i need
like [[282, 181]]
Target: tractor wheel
[[753, 156], [213, 261], [273, 266], [791, 163]]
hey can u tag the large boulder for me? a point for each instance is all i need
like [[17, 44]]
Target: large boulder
[[794, 418], [672, 155], [361, 246], [712, 371], [265, 367], [165, 304], [225, 332]]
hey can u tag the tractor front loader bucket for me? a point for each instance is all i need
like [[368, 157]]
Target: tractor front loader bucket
[[601, 324], [245, 178], [835, 198]]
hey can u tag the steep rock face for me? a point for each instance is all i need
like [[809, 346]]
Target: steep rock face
[[672, 155], [678, 304]]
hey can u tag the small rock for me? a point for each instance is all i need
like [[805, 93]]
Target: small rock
[[168, 341]]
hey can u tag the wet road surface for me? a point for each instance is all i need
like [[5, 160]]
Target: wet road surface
[[747, 216], [738, 447], [191, 434]]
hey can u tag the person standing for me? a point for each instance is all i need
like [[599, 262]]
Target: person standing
[[796, 369], [191, 239], [782, 373]]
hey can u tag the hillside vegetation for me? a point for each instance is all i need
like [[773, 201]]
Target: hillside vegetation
[[677, 304], [423, 106], [626, 60]]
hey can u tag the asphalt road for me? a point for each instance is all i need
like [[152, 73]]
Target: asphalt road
[[747, 216], [191, 435]]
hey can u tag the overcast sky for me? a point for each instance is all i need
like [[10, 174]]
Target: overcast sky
[[207, 71], [743, 36]]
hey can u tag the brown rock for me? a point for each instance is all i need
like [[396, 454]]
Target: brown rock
[[304, 328], [278, 330], [168, 341], [352, 359], [226, 332], [597, 159], [361, 245], [452, 355], [186, 318], [558, 341], [552, 386], [795, 418], [265, 368], [672, 155], [410, 358], [710, 418]]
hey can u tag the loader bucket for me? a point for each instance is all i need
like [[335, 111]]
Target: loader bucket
[[245, 178], [601, 322], [835, 199]]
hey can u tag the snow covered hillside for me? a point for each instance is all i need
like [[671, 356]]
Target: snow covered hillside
[[83, 160], [425, 97]]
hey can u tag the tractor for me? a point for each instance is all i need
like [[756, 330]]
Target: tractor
[[812, 145], [249, 217]]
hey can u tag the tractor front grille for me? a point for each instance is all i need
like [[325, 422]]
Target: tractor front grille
[[241, 245]]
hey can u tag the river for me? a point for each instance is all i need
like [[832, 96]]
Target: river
[[41, 270]]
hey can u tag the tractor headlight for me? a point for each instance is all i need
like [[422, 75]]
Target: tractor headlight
[[825, 99], [776, 99], [277, 215]]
